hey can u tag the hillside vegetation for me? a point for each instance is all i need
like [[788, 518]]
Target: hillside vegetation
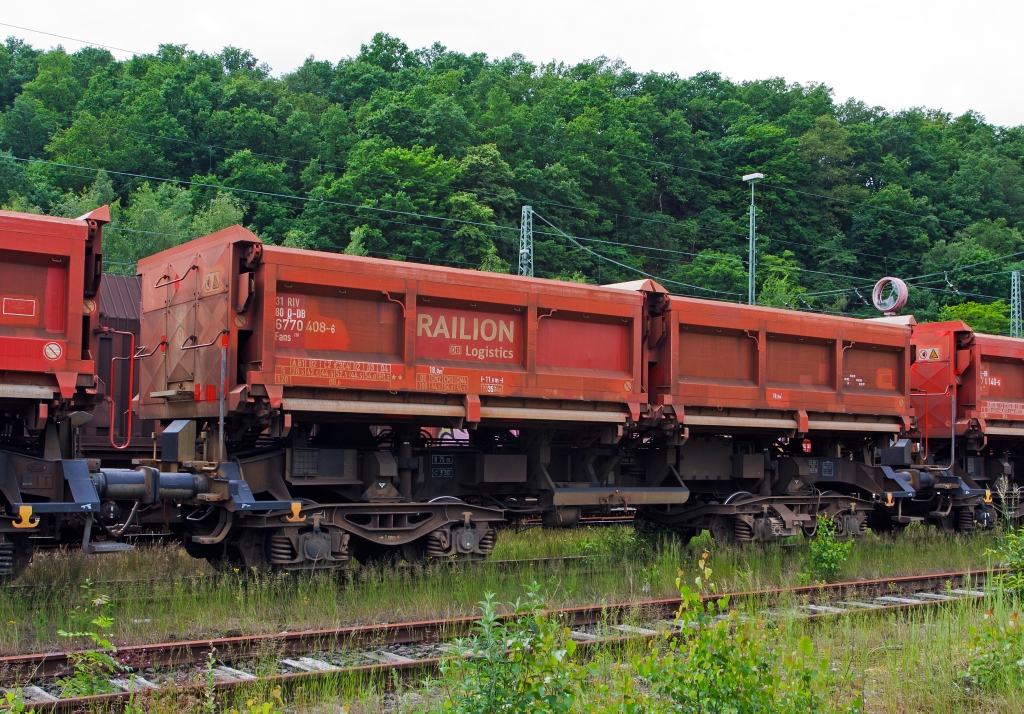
[[429, 155]]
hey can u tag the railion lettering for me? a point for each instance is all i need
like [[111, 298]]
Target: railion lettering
[[463, 335], [455, 328]]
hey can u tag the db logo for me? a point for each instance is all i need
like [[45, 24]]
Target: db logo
[[52, 351]]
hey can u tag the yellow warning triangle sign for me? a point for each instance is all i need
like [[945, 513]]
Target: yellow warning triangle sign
[[934, 354]]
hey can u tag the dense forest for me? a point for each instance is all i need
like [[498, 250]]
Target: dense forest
[[429, 155]]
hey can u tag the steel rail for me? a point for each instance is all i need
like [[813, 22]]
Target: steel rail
[[29, 667], [386, 671]]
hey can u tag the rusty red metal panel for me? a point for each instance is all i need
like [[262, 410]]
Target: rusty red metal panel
[[992, 380], [798, 361], [871, 369], [986, 372], [336, 327], [492, 335], [584, 342], [34, 301], [933, 374], [717, 356], [359, 324], [781, 365], [45, 315]]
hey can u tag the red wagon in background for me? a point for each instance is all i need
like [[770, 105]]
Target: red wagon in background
[[50, 273], [785, 416], [968, 391]]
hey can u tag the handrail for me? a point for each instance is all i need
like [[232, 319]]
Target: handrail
[[131, 382], [176, 280], [162, 343], [205, 344], [952, 438]]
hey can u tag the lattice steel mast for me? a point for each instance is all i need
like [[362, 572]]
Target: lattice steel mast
[[752, 248], [526, 243], [1015, 316]]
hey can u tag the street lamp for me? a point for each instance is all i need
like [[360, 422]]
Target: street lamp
[[752, 259]]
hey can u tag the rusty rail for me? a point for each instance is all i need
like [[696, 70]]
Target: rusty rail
[[28, 667]]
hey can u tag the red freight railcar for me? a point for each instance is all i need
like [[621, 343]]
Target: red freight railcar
[[729, 365], [334, 367], [783, 415], [968, 391], [50, 270]]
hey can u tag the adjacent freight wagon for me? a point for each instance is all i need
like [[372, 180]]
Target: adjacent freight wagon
[[341, 383], [50, 272], [968, 391], [785, 415]]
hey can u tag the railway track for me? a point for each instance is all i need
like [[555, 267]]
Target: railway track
[[418, 647]]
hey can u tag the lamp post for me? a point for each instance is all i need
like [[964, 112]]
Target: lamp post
[[752, 258]]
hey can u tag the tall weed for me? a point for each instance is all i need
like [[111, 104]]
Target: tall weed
[[722, 662], [92, 669], [519, 665], [1011, 555], [827, 554]]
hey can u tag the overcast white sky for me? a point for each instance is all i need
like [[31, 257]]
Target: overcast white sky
[[942, 54]]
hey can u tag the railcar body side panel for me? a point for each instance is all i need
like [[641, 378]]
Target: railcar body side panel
[[49, 277], [316, 324], [50, 271], [986, 373], [762, 363]]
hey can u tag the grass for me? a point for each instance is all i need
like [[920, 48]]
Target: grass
[[895, 663], [160, 594]]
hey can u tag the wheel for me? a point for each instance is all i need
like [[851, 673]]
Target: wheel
[[15, 555], [564, 517], [369, 553], [721, 529], [891, 529], [413, 552]]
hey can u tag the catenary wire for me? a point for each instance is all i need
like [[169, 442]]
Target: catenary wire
[[73, 39], [684, 223]]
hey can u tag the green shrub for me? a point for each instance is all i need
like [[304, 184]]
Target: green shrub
[[12, 702], [522, 664], [996, 657], [1011, 555], [92, 669], [723, 663], [827, 553]]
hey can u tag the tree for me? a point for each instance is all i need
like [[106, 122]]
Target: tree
[[993, 317], [429, 154]]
